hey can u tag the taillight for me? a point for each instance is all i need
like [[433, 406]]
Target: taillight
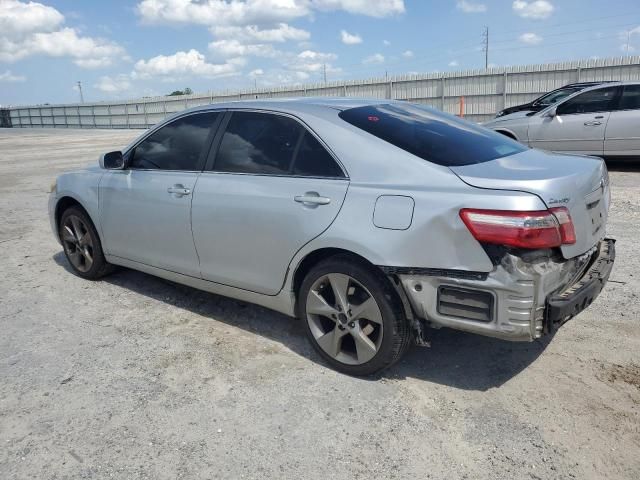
[[567, 232], [536, 229]]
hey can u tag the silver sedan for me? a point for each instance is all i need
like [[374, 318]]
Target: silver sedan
[[369, 220], [603, 120]]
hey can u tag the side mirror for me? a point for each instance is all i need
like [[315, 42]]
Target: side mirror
[[551, 113], [112, 160]]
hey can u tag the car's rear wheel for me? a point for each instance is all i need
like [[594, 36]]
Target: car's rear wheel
[[353, 317], [82, 245]]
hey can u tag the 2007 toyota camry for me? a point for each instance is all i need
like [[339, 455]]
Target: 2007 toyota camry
[[369, 220]]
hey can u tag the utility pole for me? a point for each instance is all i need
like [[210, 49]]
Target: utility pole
[[324, 72], [485, 47], [80, 90]]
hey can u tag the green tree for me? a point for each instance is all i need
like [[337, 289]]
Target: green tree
[[186, 91]]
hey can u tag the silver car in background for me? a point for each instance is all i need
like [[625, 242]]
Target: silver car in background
[[603, 120], [369, 220]]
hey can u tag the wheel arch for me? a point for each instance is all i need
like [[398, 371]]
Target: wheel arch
[[67, 201], [314, 257], [507, 133]]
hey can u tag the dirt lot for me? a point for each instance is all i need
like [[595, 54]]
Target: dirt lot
[[133, 377]]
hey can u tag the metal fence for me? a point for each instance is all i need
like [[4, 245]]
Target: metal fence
[[478, 93]]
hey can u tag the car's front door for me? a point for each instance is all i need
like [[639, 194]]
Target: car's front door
[[622, 137], [272, 188], [578, 126], [145, 210]]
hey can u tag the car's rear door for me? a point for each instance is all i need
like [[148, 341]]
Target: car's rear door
[[578, 126], [145, 210], [271, 186], [622, 137]]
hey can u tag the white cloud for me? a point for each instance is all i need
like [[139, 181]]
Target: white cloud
[[310, 61], [375, 58], [453, 63], [386, 43], [627, 37], [530, 38], [256, 12], [470, 7], [28, 29], [233, 48], [219, 12], [118, 84], [19, 19], [538, 9], [10, 77], [377, 8], [350, 38], [252, 33], [258, 72], [182, 64], [407, 54]]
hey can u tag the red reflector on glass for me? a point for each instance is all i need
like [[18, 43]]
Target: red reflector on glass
[[373, 118], [536, 229]]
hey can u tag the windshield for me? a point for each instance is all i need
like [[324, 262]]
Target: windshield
[[555, 97], [433, 136]]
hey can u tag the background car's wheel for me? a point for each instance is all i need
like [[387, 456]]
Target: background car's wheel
[[353, 316], [82, 245]]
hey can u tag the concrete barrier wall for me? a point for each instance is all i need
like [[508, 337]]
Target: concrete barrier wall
[[485, 92]]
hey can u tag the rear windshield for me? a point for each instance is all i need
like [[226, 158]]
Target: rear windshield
[[430, 135]]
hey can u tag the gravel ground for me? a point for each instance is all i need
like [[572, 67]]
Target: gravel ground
[[134, 377]]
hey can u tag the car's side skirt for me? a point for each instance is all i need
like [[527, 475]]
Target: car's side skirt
[[282, 302]]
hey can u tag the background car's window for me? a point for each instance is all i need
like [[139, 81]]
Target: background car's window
[[441, 139], [555, 97], [599, 100], [176, 146], [313, 160], [258, 143], [630, 99]]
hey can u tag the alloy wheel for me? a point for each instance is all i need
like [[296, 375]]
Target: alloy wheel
[[344, 318], [77, 243]]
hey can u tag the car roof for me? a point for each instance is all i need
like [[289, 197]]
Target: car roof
[[295, 104]]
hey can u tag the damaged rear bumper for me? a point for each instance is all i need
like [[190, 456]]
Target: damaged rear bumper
[[525, 296], [574, 298]]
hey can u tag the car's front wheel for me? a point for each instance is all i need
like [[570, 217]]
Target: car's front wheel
[[82, 245], [353, 316]]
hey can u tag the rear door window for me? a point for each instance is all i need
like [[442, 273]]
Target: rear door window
[[258, 143], [313, 160], [269, 144], [599, 100], [630, 99], [433, 136]]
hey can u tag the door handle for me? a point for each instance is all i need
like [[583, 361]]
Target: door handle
[[179, 190], [312, 199], [592, 124]]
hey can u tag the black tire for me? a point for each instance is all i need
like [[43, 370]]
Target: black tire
[[395, 332], [98, 267]]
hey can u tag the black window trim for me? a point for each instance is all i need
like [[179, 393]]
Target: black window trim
[[205, 149], [613, 103], [209, 167]]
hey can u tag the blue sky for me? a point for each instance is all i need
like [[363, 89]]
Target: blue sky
[[126, 49]]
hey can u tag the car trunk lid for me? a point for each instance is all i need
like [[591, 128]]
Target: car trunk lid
[[578, 183]]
